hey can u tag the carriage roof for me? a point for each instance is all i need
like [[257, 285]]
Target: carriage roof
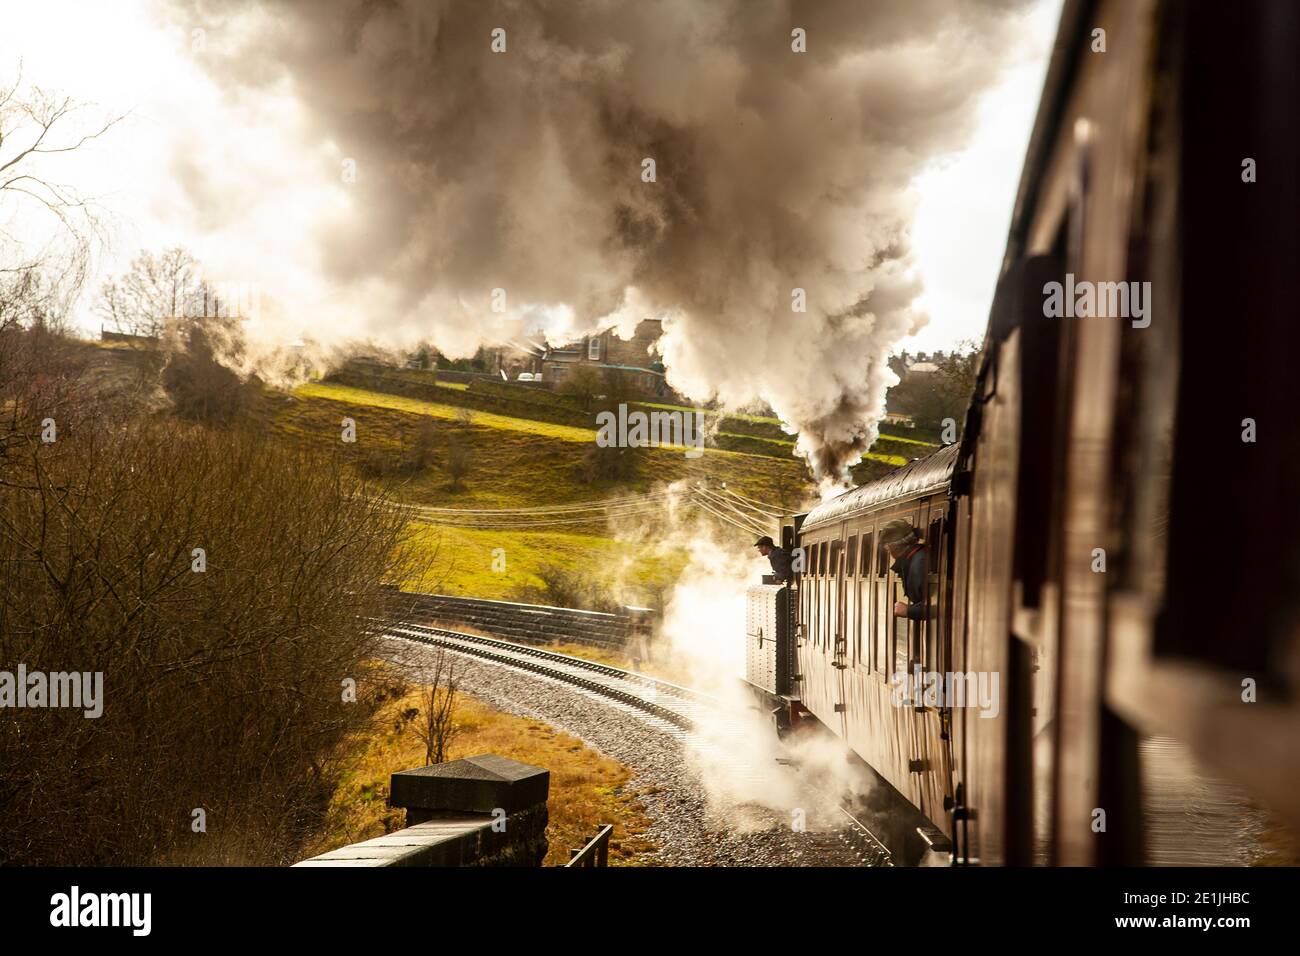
[[920, 477]]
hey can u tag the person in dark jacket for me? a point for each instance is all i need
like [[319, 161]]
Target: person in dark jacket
[[779, 557], [911, 564]]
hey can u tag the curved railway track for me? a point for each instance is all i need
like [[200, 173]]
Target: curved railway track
[[659, 698], [680, 707]]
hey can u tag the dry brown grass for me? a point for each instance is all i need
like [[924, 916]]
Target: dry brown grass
[[588, 789]]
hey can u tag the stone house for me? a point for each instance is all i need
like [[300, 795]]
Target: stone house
[[633, 359]]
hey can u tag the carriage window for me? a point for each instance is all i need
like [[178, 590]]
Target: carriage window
[[882, 560], [821, 558], [866, 554], [851, 556]]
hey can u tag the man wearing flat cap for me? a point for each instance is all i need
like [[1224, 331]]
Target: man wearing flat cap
[[911, 564], [779, 557]]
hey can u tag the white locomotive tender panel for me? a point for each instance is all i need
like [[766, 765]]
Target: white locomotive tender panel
[[760, 619]]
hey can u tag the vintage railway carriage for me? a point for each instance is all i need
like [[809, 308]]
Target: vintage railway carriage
[[1116, 535], [851, 647]]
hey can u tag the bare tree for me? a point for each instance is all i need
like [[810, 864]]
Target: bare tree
[[28, 131], [436, 726], [42, 269], [27, 298], [157, 289]]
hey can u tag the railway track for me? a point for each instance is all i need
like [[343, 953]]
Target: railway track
[[866, 844], [680, 708], [677, 705]]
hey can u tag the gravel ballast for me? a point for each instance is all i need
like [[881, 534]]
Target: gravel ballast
[[688, 829]]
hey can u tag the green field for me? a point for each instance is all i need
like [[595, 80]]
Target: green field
[[515, 463], [518, 462], [361, 398], [466, 561]]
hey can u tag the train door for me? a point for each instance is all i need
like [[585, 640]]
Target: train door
[[819, 632], [810, 595], [931, 651], [902, 628], [815, 594], [827, 622], [917, 632], [835, 600], [850, 599], [862, 644], [884, 623], [838, 651]]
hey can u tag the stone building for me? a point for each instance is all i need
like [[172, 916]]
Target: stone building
[[633, 360]]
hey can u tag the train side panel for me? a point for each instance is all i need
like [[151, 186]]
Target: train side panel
[[982, 646], [855, 649]]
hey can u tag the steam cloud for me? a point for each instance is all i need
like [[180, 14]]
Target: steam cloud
[[751, 779], [521, 171]]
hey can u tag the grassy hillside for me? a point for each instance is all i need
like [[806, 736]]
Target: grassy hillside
[[466, 562], [518, 462], [732, 431], [513, 463]]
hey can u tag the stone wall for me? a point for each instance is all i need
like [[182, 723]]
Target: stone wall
[[481, 811]]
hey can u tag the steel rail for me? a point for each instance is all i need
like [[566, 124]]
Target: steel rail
[[605, 680], [562, 667], [876, 850]]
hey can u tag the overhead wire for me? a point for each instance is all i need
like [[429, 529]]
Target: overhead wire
[[735, 510]]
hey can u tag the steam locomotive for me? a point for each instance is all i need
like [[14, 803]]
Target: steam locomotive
[[1114, 542]]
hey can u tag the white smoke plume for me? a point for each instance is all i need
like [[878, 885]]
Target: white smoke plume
[[522, 171], [750, 777]]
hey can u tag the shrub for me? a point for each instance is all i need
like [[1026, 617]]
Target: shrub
[[223, 688], [562, 587], [610, 464], [458, 461], [200, 387]]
